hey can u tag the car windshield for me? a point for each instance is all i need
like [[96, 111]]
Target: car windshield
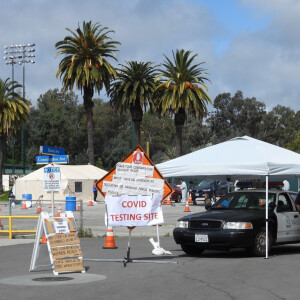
[[207, 183], [245, 200]]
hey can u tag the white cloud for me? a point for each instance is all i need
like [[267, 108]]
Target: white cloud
[[263, 63]]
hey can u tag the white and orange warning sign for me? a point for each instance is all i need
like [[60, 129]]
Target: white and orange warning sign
[[133, 191]]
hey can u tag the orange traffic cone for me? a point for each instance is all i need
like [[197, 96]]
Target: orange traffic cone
[[59, 210], [109, 240], [39, 208], [187, 208], [190, 199], [163, 201], [24, 205], [169, 200], [44, 240], [79, 206], [262, 202], [90, 202]]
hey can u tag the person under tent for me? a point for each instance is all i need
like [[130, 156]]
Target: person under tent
[[183, 188]]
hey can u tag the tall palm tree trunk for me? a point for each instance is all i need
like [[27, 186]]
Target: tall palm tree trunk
[[88, 106], [179, 121], [137, 133], [179, 140], [137, 117]]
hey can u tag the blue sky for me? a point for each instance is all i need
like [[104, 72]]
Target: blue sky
[[247, 45], [235, 19]]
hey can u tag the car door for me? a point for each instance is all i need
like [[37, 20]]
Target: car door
[[293, 196], [287, 218]]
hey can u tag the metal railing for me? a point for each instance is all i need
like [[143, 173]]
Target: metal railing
[[35, 203], [10, 230]]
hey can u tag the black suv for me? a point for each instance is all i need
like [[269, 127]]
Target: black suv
[[210, 189]]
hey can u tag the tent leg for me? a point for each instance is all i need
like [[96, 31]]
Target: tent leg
[[267, 216]]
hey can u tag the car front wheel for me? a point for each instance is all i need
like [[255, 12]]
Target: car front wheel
[[191, 250], [259, 246]]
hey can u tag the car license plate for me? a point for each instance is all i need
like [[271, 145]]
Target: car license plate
[[196, 194], [201, 238]]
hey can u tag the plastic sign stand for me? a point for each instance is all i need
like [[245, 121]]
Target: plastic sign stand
[[62, 242]]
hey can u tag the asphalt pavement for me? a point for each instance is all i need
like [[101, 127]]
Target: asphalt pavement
[[213, 275]]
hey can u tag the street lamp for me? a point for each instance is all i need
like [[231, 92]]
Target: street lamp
[[20, 54]]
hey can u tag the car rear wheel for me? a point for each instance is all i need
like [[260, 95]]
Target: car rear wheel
[[259, 246], [191, 250]]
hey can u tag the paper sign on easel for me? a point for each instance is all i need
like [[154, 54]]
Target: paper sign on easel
[[62, 241]]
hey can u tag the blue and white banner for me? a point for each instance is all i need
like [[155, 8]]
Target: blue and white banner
[[51, 150], [57, 159]]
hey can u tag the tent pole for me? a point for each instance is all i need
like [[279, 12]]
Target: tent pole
[[52, 201], [267, 215]]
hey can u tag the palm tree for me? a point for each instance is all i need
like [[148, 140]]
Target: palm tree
[[85, 65], [179, 90], [14, 110], [133, 89]]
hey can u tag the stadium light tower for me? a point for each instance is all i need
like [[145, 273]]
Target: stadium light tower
[[20, 54]]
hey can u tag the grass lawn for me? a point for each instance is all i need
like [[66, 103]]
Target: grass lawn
[[4, 197]]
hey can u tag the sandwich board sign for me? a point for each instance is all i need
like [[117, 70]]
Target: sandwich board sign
[[62, 241], [133, 191]]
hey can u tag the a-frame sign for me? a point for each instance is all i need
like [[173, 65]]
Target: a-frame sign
[[136, 156], [62, 242]]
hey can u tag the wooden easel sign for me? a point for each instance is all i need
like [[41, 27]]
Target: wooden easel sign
[[62, 241]]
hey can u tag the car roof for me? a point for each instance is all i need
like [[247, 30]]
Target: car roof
[[273, 191]]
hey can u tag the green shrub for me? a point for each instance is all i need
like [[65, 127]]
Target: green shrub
[[85, 233]]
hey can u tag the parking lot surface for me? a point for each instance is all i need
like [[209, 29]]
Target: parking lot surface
[[213, 275]]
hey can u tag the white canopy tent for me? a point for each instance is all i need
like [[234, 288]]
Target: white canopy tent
[[83, 175], [238, 158]]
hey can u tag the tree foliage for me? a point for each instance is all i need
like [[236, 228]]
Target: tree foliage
[[57, 121], [236, 116]]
